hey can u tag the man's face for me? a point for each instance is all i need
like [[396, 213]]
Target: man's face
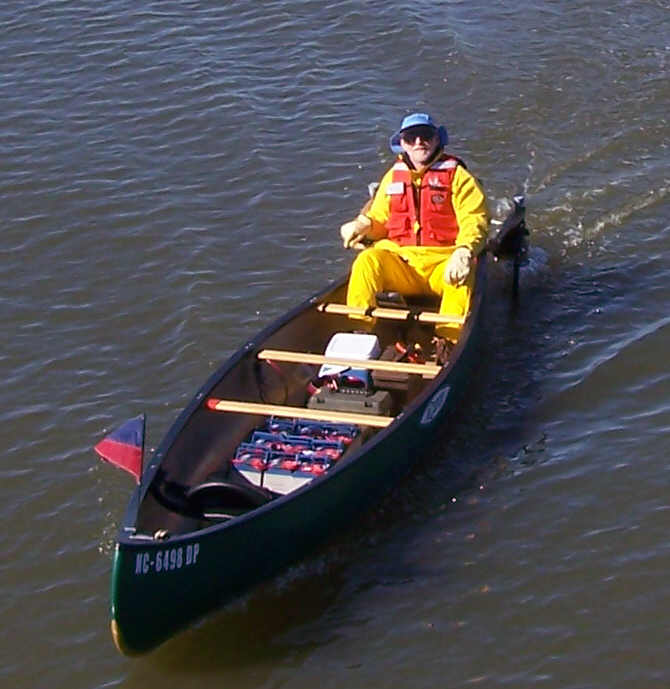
[[419, 143]]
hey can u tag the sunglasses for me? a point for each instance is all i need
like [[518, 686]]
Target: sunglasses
[[422, 131]]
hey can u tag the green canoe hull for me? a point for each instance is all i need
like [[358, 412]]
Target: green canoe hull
[[161, 586]]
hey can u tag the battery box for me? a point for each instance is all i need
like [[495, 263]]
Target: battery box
[[352, 400], [288, 453]]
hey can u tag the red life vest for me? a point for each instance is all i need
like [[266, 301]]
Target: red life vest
[[426, 218]]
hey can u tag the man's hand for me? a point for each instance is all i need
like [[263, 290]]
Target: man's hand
[[458, 266], [355, 231]]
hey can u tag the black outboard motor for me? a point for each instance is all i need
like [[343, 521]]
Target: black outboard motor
[[510, 240]]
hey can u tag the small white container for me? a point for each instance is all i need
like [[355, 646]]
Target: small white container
[[359, 346]]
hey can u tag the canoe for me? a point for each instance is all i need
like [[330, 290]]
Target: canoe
[[214, 514]]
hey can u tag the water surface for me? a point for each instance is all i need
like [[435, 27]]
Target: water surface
[[173, 178]]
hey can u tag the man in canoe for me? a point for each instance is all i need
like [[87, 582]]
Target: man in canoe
[[428, 221]]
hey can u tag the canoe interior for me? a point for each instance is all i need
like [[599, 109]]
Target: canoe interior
[[204, 443]]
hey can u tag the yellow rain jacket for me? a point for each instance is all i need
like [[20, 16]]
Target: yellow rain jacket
[[418, 270]]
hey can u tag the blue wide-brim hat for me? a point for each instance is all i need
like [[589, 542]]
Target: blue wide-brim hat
[[414, 120]]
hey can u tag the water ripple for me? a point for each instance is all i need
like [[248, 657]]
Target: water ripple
[[174, 175]]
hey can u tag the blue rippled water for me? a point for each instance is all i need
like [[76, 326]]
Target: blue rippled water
[[173, 178]]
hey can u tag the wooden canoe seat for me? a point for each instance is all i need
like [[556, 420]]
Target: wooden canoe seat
[[399, 314], [424, 370], [297, 412]]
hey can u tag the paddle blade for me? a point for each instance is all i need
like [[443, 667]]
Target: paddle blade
[[124, 446]]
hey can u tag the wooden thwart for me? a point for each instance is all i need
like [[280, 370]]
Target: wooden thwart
[[425, 370], [298, 413], [393, 314]]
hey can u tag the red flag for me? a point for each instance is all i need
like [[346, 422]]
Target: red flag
[[124, 447]]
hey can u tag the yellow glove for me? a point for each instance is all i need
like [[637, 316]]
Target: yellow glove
[[458, 266], [355, 231]]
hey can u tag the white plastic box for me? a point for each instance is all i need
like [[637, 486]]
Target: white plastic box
[[359, 346]]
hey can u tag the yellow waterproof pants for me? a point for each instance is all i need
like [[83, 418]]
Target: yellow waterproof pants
[[412, 271]]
